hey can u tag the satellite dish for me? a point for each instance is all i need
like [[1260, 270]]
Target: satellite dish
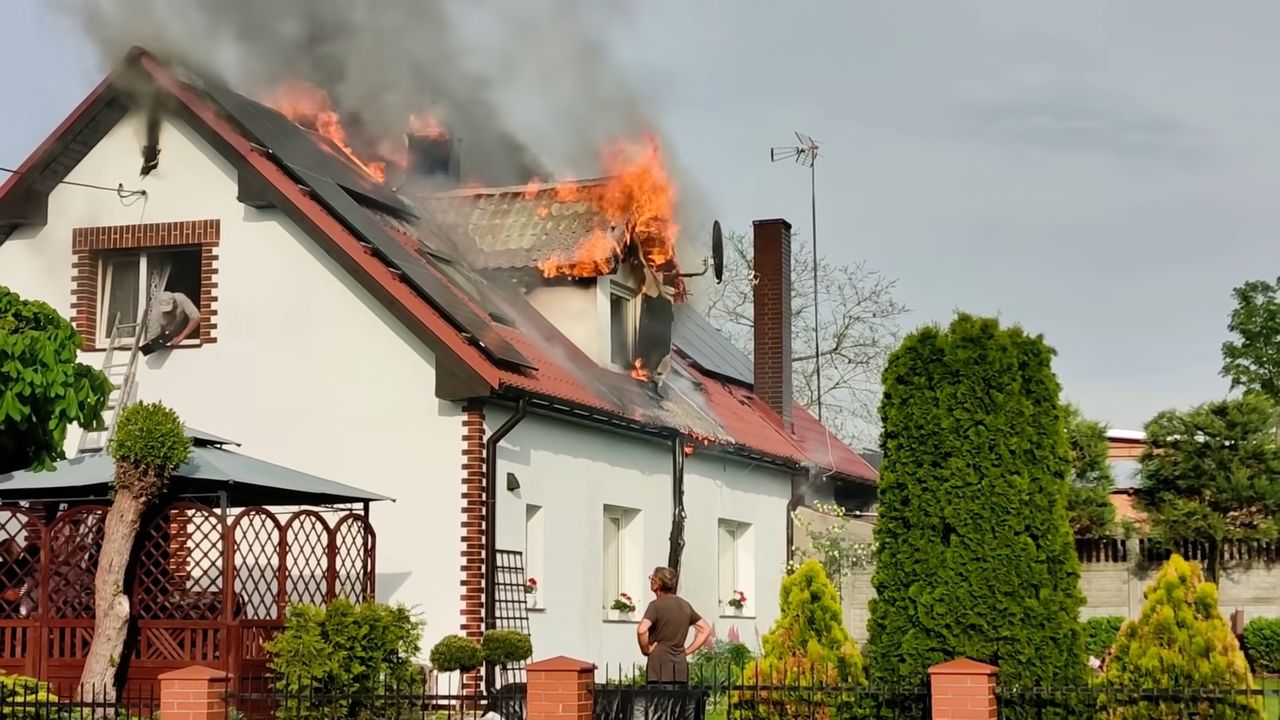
[[717, 251]]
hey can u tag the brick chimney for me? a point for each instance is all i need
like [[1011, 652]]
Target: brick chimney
[[773, 315]]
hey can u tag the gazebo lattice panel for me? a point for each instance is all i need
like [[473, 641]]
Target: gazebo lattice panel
[[206, 588]]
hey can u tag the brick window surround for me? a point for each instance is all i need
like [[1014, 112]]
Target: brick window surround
[[90, 244]]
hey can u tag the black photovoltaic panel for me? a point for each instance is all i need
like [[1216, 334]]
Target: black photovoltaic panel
[[708, 347], [293, 146], [428, 284]]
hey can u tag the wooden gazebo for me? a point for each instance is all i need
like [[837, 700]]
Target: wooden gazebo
[[212, 575]]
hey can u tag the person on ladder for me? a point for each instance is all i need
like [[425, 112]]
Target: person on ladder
[[172, 319]]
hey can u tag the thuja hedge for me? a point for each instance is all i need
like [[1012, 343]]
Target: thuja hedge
[[976, 557]]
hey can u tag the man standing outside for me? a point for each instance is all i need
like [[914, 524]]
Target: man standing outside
[[665, 629]]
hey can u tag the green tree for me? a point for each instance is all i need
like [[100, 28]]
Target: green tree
[[808, 647], [975, 557], [1212, 474], [1089, 508], [1180, 643], [149, 445], [43, 389], [1251, 360]]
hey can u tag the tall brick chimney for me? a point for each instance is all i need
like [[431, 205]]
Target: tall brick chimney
[[773, 315]]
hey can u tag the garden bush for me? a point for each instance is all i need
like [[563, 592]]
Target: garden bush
[[506, 647], [808, 648], [1262, 645], [1180, 644], [350, 658], [455, 653], [1100, 634], [975, 557]]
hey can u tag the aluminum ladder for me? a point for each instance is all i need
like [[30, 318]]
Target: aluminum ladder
[[123, 377]]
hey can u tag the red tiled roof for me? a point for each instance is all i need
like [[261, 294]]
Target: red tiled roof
[[711, 410]]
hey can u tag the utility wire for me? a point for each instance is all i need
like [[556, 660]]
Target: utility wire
[[118, 190]]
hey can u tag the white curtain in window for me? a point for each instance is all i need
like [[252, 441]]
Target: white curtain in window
[[728, 561], [158, 267], [121, 301], [612, 557]]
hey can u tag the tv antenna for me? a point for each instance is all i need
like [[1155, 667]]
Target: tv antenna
[[806, 154]]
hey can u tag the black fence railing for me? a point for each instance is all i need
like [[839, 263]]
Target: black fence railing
[[433, 698], [22, 698], [1102, 702], [728, 692]]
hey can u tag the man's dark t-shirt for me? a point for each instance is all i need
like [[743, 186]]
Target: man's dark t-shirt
[[670, 618]]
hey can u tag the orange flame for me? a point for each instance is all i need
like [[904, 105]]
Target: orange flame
[[310, 107], [637, 199], [639, 372]]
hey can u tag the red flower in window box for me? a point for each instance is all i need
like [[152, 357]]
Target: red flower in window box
[[738, 601], [530, 586]]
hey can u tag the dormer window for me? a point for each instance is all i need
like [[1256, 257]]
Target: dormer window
[[624, 311]]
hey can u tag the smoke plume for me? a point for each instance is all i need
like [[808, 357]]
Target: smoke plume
[[525, 86]]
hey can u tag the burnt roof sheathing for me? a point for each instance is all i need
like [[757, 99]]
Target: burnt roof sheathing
[[517, 227], [291, 144]]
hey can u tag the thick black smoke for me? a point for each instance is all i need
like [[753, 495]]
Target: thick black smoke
[[524, 84]]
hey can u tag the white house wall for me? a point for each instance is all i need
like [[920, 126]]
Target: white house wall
[[308, 370], [572, 472]]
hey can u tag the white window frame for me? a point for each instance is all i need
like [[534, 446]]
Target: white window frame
[[626, 555], [619, 289], [535, 548], [105, 271], [105, 261], [740, 573]]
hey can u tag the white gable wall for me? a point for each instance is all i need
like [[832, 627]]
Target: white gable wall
[[572, 473], [308, 370]]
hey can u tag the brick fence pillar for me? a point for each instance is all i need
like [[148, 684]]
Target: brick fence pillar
[[960, 690], [193, 693], [558, 689]]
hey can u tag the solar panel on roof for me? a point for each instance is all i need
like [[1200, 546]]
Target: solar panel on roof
[[293, 146], [428, 284], [708, 348]]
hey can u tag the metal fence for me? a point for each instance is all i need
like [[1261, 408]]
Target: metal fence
[[433, 698], [728, 692], [1101, 702], [26, 699]]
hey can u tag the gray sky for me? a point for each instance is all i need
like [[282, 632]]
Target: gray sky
[[1099, 172]]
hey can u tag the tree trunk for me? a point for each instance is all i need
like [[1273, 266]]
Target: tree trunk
[[111, 598]]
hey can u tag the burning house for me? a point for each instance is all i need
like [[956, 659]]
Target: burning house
[[517, 365]]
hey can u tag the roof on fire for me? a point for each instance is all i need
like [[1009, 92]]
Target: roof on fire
[[415, 257]]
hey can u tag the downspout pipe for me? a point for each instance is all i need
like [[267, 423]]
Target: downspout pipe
[[491, 517], [676, 542]]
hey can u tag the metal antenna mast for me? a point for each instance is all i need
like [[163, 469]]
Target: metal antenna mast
[[806, 154]]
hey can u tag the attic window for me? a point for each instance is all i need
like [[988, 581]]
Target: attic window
[[126, 280], [114, 267], [623, 311]]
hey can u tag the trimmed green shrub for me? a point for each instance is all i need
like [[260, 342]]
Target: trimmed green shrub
[[975, 556], [456, 653], [149, 444], [1100, 634], [808, 647], [1181, 643], [1262, 645], [349, 658], [506, 647]]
